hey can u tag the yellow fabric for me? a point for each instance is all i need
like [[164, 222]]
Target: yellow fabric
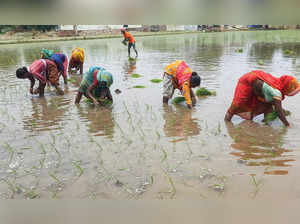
[[78, 54], [171, 68], [186, 92]]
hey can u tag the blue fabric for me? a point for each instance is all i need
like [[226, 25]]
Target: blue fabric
[[59, 61]]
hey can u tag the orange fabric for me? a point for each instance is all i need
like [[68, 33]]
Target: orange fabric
[[180, 72], [129, 36], [77, 56], [247, 105], [186, 92], [181, 78], [52, 72]]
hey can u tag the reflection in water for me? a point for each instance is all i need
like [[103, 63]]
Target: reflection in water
[[129, 67], [101, 122], [46, 114], [259, 146], [264, 51], [179, 123]]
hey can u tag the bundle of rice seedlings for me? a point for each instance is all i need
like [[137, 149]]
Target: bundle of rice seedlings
[[178, 100], [205, 92], [273, 116], [156, 80]]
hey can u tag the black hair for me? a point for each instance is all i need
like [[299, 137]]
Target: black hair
[[195, 79], [21, 72]]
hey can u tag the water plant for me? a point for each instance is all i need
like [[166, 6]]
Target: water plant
[[178, 100], [135, 75], [205, 92], [273, 115], [105, 102], [139, 87], [260, 62], [156, 80], [288, 52], [76, 164]]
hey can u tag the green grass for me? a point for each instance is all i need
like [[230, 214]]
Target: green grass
[[178, 100], [205, 92], [273, 115], [136, 76], [139, 87], [156, 80]]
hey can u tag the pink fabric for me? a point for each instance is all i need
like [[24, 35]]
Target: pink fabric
[[65, 66], [183, 74], [39, 70]]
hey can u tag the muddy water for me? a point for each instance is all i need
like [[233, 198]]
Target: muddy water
[[138, 148]]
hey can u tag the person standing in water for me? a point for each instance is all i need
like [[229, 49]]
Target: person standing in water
[[179, 76], [128, 37], [61, 61], [258, 93], [95, 85], [77, 60], [42, 70]]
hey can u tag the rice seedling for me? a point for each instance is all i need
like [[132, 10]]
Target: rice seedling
[[32, 195], [135, 75], [273, 115], [288, 52], [105, 102], [178, 100], [165, 155], [54, 177], [156, 80], [131, 59], [260, 62], [257, 184], [205, 92], [12, 152], [139, 87], [72, 80], [76, 164], [152, 180], [173, 188]]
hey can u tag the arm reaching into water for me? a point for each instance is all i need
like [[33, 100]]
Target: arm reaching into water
[[32, 82], [279, 110], [90, 94], [193, 98], [109, 96]]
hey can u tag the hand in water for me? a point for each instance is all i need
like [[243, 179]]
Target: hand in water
[[96, 103]]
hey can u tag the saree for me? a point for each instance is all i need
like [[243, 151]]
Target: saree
[[247, 105]]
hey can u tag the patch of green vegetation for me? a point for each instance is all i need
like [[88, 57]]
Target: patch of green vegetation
[[288, 52], [105, 102], [139, 87], [240, 50], [178, 100], [156, 80], [205, 92], [273, 115], [131, 59], [72, 80], [260, 62], [136, 76]]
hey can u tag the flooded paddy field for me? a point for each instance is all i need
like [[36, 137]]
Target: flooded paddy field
[[137, 148]]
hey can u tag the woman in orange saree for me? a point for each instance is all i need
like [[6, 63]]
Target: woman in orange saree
[[257, 92]]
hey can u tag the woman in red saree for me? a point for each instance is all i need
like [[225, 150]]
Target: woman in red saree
[[257, 92]]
